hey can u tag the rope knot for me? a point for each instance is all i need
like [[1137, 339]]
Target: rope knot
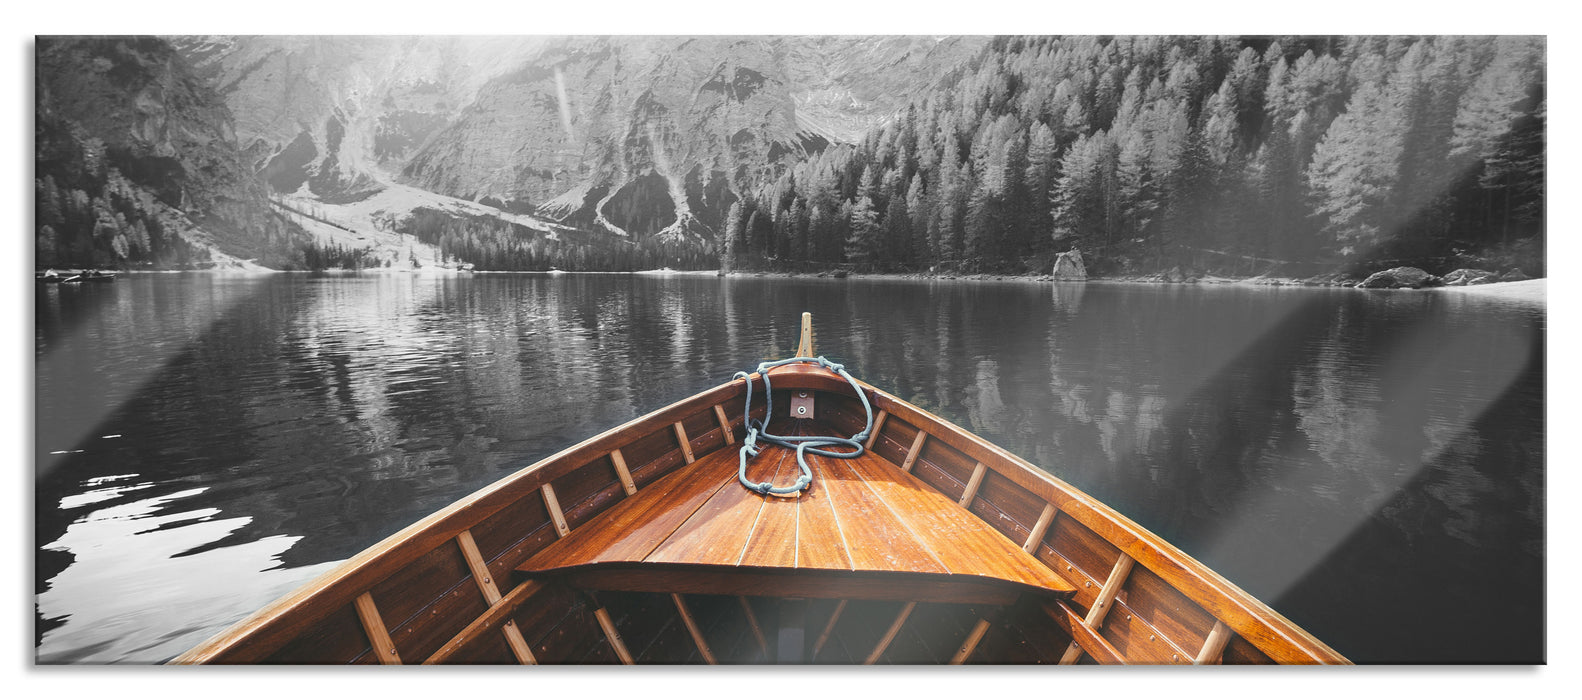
[[803, 444]]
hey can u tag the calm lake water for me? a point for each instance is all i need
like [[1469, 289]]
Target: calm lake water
[[1369, 463]]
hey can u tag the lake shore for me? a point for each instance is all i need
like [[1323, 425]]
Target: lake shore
[[1532, 291]]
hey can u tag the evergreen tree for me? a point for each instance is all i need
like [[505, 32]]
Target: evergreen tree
[[864, 238], [1492, 102], [752, 233], [1136, 195], [897, 235], [1221, 130], [918, 205], [1078, 211], [1038, 179], [799, 230], [733, 241], [1356, 164]]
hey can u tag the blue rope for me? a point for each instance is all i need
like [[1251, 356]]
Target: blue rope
[[803, 444]]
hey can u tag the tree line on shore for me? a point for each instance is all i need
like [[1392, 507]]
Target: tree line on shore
[[494, 244], [1294, 154]]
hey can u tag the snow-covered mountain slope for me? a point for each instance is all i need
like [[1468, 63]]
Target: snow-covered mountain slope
[[377, 223]]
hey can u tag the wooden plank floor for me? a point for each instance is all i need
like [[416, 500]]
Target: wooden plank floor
[[864, 530]]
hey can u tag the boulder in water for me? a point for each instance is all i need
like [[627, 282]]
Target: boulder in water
[[1400, 278], [1466, 275], [1515, 275], [1069, 267]]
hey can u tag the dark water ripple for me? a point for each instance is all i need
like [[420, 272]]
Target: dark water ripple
[[1370, 464]]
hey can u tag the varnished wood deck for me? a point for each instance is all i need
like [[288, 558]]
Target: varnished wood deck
[[864, 530]]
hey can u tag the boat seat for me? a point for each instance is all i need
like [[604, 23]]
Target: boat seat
[[864, 530]]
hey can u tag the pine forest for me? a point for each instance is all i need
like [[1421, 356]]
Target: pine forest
[[1291, 156]]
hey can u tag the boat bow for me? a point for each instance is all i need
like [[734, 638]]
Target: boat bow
[[864, 529]]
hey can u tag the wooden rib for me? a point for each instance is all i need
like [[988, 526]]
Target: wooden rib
[[828, 628], [878, 425], [889, 635], [490, 618], [1112, 586], [1101, 605], [551, 503], [491, 595], [1041, 527], [967, 647], [480, 570], [692, 629], [972, 485], [378, 636], [725, 425], [1098, 647], [1214, 646], [686, 445], [621, 471], [603, 616], [917, 449], [804, 347], [752, 621]]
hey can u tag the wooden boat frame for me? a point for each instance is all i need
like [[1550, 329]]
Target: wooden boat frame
[[433, 593]]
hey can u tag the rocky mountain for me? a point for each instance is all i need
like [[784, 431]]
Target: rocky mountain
[[137, 161], [649, 136], [634, 138], [335, 114]]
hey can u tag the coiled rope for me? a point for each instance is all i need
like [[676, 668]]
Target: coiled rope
[[803, 444]]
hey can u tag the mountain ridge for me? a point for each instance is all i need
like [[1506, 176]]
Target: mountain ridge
[[634, 137]]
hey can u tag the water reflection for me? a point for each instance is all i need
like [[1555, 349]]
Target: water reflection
[[1337, 453], [118, 607]]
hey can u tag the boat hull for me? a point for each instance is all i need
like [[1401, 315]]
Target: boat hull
[[446, 589]]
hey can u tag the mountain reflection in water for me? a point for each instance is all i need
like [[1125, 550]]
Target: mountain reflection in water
[[206, 443]]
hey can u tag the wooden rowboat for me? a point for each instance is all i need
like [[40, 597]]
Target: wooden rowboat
[[89, 276], [642, 545]]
